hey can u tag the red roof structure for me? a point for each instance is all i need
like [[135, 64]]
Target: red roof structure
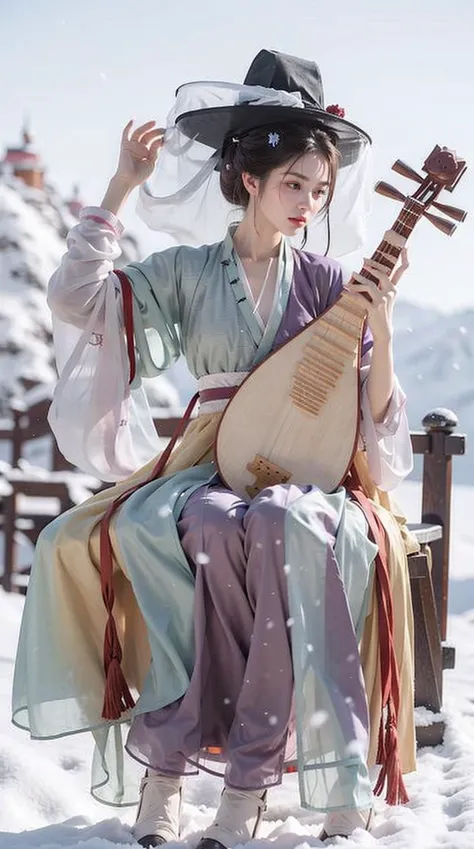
[[25, 162]]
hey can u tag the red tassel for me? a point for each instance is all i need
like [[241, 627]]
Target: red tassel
[[381, 746], [391, 772], [117, 696], [127, 301]]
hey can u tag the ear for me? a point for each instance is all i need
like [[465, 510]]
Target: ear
[[251, 183]]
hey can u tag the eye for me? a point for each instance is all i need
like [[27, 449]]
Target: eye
[[295, 186], [320, 193]]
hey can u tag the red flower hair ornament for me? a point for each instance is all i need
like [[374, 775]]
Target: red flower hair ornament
[[335, 109]]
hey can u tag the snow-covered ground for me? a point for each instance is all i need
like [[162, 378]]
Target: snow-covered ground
[[44, 799]]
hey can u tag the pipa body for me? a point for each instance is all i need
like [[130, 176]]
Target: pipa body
[[295, 418]]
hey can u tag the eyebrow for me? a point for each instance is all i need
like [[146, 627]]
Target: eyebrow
[[305, 179]]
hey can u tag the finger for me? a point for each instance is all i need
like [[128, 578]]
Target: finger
[[136, 149], [385, 284], [142, 129], [363, 284], [379, 272], [357, 292], [151, 135], [367, 290], [154, 148], [404, 264], [126, 130]]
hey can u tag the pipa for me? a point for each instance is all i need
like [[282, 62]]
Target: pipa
[[295, 418]]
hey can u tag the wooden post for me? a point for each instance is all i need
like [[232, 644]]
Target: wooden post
[[9, 528], [428, 652], [18, 409], [436, 499]]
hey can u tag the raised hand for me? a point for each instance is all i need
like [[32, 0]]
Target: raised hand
[[138, 153], [378, 299]]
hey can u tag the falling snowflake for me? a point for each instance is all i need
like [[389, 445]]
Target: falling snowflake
[[355, 749], [273, 139], [272, 720], [202, 558], [287, 568], [290, 622], [318, 719]]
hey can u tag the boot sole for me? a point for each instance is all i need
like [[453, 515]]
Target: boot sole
[[209, 843], [151, 840]]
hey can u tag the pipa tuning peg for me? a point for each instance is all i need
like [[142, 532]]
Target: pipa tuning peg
[[451, 211], [388, 191], [406, 171], [441, 223]]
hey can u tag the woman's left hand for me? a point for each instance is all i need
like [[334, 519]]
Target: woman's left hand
[[381, 296]]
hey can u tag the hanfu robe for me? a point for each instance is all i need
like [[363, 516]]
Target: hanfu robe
[[193, 301]]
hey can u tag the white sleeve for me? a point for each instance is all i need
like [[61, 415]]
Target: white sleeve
[[92, 248], [101, 425], [387, 443]]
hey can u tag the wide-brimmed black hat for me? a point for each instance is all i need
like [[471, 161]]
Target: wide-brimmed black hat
[[273, 70]]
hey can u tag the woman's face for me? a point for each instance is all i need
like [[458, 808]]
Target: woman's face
[[293, 194]]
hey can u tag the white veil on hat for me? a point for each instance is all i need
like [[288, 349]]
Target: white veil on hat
[[184, 200]]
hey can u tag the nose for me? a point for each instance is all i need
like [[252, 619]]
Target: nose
[[307, 202], [304, 204]]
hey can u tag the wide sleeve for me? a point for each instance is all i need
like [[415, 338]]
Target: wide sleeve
[[387, 443], [86, 272], [101, 422], [92, 249], [157, 310]]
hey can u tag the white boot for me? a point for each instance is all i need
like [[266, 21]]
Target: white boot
[[159, 809], [237, 818], [343, 823]]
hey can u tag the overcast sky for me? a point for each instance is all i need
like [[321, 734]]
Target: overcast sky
[[404, 72]]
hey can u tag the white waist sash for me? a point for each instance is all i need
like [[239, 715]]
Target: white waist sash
[[213, 381]]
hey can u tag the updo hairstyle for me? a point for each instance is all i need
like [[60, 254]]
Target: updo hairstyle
[[258, 152]]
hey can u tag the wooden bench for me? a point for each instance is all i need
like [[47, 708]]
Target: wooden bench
[[429, 584]]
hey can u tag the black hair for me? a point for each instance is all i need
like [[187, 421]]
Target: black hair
[[259, 151]]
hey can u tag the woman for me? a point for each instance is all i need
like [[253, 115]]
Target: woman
[[237, 650]]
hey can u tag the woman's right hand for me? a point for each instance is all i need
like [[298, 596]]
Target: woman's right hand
[[138, 153]]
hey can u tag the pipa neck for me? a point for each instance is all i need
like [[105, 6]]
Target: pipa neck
[[390, 248]]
